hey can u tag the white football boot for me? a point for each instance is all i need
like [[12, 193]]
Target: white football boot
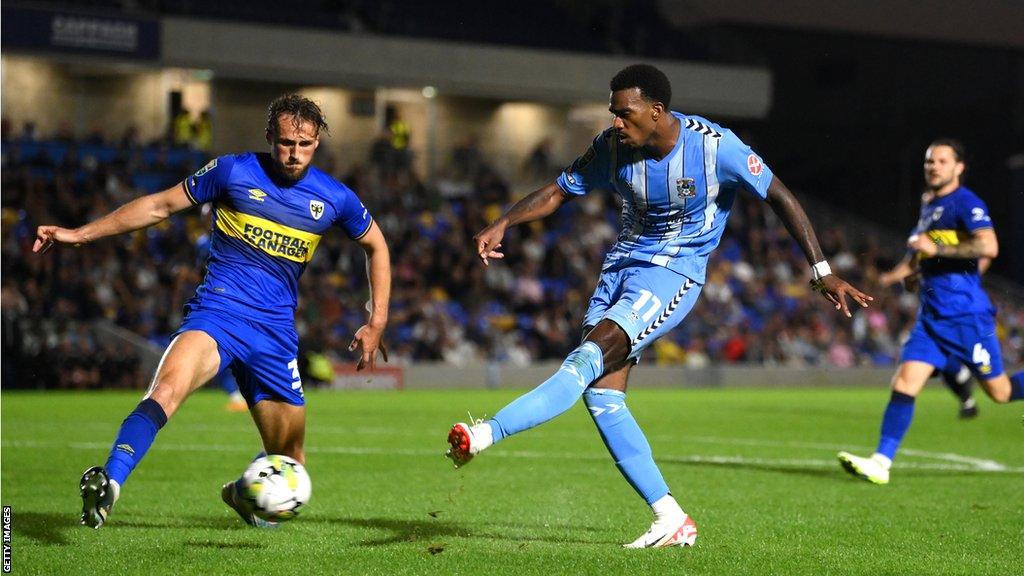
[[671, 527], [874, 469], [467, 441]]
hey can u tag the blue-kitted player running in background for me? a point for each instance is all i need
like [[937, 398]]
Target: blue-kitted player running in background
[[678, 176], [956, 320], [270, 211], [955, 375]]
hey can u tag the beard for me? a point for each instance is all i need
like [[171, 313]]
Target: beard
[[939, 184], [291, 172]]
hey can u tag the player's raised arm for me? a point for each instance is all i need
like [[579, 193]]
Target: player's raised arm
[[139, 213], [378, 271], [534, 206], [788, 209]]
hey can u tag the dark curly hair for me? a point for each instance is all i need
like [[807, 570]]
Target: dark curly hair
[[300, 108], [653, 84], [959, 150]]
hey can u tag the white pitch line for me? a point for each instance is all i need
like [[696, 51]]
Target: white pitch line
[[967, 465], [979, 463], [674, 440]]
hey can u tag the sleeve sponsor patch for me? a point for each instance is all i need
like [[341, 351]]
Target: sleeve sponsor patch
[[209, 166], [754, 165]]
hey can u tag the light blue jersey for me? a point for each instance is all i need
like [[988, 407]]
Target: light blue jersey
[[674, 209]]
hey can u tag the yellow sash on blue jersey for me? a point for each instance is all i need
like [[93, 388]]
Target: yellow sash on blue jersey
[[270, 237], [946, 238]]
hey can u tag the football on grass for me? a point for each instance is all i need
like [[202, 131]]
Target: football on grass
[[276, 487]]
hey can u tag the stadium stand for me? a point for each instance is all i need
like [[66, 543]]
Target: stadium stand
[[757, 307]]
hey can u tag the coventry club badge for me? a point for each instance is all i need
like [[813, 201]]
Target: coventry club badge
[[685, 188], [316, 209]]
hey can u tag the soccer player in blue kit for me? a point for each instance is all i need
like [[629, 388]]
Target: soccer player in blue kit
[[956, 320], [957, 377], [677, 176], [270, 212]]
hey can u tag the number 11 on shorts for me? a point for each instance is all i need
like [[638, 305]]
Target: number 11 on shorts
[[646, 295]]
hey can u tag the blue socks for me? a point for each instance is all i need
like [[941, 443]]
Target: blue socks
[[135, 437], [1017, 386], [556, 395], [898, 415], [626, 442]]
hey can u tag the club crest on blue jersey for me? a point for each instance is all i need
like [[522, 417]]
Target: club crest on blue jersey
[[316, 209], [686, 188]]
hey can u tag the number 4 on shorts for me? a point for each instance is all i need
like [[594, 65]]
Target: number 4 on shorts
[[981, 357]]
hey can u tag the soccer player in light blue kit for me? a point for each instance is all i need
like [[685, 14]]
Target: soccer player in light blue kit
[[956, 320], [270, 212], [677, 176]]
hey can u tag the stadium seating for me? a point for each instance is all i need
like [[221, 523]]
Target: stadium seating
[[756, 306]]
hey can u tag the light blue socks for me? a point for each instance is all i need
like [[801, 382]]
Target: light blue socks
[[556, 395], [626, 442]]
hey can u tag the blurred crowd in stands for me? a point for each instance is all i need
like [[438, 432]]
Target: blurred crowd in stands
[[756, 306]]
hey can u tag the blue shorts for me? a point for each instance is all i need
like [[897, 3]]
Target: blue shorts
[[970, 339], [644, 299], [262, 357]]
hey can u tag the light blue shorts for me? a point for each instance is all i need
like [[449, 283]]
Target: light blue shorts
[[645, 300]]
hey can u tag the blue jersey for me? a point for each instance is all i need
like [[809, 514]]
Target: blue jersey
[[952, 286], [264, 232], [674, 209]]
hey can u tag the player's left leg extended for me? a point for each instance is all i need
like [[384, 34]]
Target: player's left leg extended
[[268, 376], [282, 428]]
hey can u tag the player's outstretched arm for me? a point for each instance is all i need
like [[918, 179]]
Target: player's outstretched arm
[[832, 287], [534, 206], [139, 213], [378, 271]]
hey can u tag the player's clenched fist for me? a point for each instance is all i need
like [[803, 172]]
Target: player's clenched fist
[[47, 236], [488, 241]]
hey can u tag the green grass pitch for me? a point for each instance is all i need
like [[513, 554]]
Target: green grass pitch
[[755, 468]]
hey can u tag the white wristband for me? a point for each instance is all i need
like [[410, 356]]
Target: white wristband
[[820, 270]]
